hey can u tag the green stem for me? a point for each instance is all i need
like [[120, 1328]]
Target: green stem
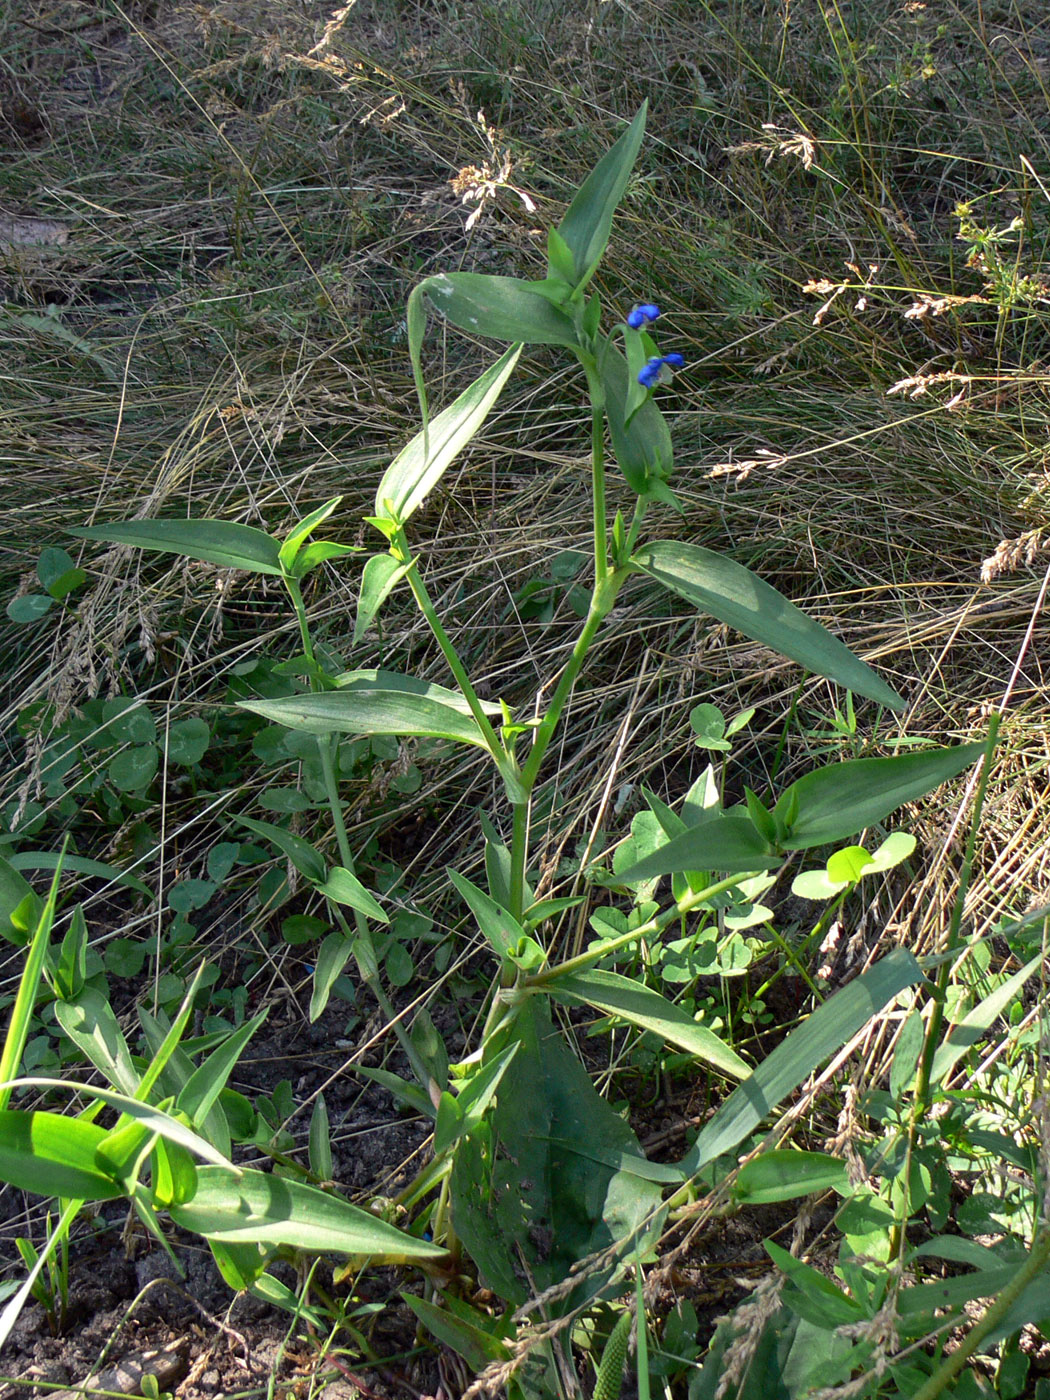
[[519, 846], [601, 542], [504, 761], [1038, 1258], [921, 1095], [602, 601]]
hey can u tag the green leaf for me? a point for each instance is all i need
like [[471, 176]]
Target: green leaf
[[318, 553], [188, 741], [477, 1347], [49, 1154], [643, 1007], [641, 446], [782, 1174], [29, 607], [504, 308], [380, 577], [560, 263], [332, 956], [799, 1054], [32, 971], [372, 710], [723, 841], [92, 1026], [126, 720], [132, 770], [836, 801], [57, 573], [221, 542], [732, 593], [588, 220], [499, 926], [343, 887], [20, 905], [551, 1176], [297, 537], [201, 1091], [260, 1208], [320, 1141], [974, 1026], [306, 858], [417, 469]]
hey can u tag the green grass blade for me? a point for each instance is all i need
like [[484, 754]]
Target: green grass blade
[[25, 998]]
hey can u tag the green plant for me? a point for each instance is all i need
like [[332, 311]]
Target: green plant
[[534, 1175]]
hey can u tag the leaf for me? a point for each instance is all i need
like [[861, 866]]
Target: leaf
[[547, 1179], [417, 469], [92, 1026], [799, 1054], [332, 956], [188, 741], [380, 577], [836, 801], [588, 220], [297, 537], [20, 905], [49, 1154], [256, 1207], [29, 607], [320, 1141], [723, 841], [642, 446], [343, 887], [974, 1026], [371, 711], [733, 594], [222, 542], [132, 770], [306, 858], [201, 1091], [620, 996], [502, 930], [784, 1173], [504, 308], [58, 574], [370, 680]]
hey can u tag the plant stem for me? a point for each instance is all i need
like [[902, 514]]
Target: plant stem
[[921, 1094], [601, 543], [1038, 1258], [504, 761], [656, 924], [519, 846]]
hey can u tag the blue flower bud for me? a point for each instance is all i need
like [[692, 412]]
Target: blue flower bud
[[674, 359]]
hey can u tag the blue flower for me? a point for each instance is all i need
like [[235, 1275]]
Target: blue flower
[[641, 315], [649, 376], [653, 372]]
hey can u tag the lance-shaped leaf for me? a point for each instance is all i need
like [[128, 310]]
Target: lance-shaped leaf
[[723, 841], [643, 1007], [299, 533], [799, 1054], [49, 1154], [588, 220], [417, 469], [306, 858], [370, 679], [641, 445], [373, 710], [498, 925], [841, 799], [732, 593], [381, 576], [501, 307], [273, 1210], [222, 542]]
